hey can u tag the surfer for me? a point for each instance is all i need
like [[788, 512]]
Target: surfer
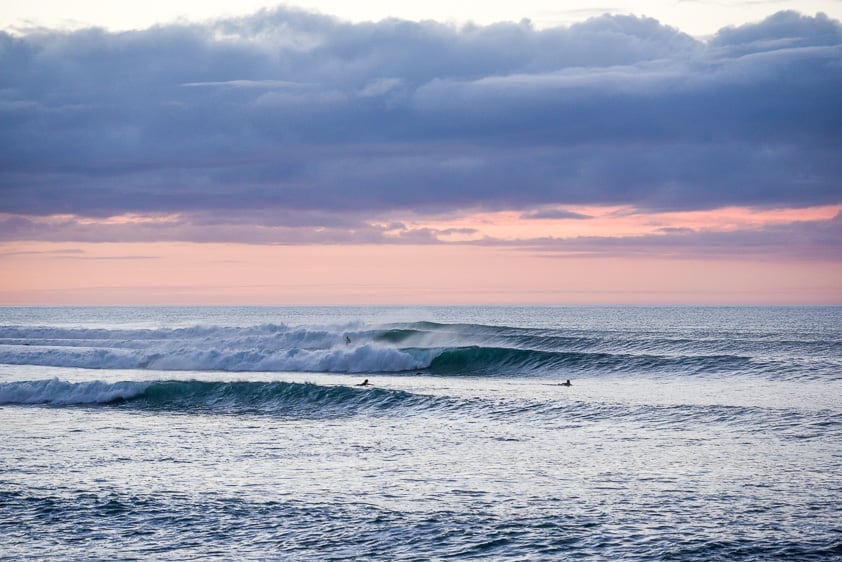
[[347, 340], [568, 383], [364, 383]]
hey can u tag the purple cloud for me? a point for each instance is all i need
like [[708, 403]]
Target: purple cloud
[[308, 118]]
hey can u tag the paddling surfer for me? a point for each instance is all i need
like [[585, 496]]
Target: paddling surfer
[[364, 383], [568, 383]]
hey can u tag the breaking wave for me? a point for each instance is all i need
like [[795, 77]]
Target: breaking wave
[[431, 348]]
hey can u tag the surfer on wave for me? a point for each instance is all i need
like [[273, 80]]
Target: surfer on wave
[[364, 383], [568, 383]]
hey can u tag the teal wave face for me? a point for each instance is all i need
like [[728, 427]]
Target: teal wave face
[[483, 361]]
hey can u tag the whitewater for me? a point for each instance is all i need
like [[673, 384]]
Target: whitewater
[[183, 433]]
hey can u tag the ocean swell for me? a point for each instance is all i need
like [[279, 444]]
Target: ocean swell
[[235, 397]]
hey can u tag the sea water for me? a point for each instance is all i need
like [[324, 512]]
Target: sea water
[[239, 433]]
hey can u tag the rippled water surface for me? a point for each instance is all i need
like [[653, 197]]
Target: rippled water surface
[[220, 433]]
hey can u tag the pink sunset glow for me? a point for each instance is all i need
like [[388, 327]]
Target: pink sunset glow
[[190, 273]]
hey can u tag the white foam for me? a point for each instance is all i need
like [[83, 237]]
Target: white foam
[[366, 358], [261, 348]]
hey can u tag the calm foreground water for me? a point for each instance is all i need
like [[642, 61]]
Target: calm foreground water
[[239, 433]]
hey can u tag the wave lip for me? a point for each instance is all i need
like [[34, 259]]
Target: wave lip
[[58, 392]]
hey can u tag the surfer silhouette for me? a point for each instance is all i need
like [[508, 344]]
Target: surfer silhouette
[[364, 383], [347, 340], [568, 383]]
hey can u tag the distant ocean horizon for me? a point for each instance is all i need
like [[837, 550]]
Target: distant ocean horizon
[[245, 432]]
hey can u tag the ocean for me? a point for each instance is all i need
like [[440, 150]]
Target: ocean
[[240, 433]]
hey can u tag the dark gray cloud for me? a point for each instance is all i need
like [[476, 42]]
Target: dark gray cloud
[[554, 213], [309, 119], [207, 228]]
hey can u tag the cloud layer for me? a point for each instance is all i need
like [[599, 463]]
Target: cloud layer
[[288, 118]]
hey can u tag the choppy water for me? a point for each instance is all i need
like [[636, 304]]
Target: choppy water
[[239, 433]]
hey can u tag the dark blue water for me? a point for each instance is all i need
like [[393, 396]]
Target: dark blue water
[[241, 433]]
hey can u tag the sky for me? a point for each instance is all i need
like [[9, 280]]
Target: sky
[[675, 152]]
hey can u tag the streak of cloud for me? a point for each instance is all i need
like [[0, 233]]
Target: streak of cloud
[[801, 240]]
